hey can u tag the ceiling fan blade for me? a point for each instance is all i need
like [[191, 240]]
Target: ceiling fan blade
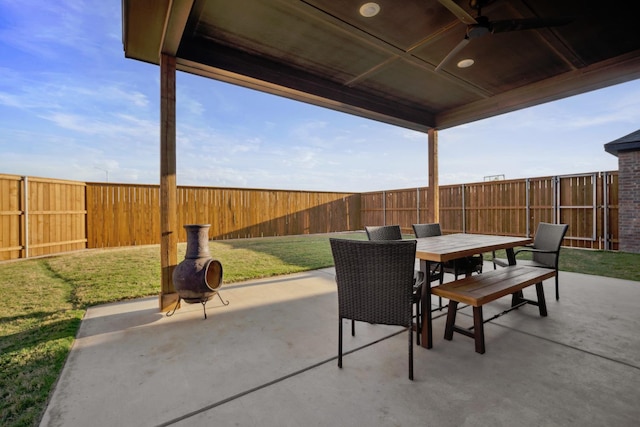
[[459, 12], [454, 51], [526, 24]]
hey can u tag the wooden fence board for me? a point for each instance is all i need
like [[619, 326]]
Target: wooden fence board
[[11, 214]]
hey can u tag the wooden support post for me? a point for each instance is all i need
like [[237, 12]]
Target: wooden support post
[[433, 195], [168, 190]]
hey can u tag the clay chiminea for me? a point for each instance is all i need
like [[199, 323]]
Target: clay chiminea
[[198, 277]]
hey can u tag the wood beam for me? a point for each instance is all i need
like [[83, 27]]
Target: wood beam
[[433, 195], [168, 189], [220, 62]]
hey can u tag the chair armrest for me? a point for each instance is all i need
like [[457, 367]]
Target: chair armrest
[[532, 250], [525, 248], [501, 263]]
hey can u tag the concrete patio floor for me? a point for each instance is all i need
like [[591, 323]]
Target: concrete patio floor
[[269, 359]]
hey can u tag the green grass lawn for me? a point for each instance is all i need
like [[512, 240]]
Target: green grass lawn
[[619, 265], [43, 300]]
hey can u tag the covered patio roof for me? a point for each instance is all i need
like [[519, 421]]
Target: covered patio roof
[[325, 52], [391, 61]]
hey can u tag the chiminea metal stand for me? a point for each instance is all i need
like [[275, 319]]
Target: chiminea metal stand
[[198, 277]]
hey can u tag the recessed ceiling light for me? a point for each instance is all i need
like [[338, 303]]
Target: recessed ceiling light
[[465, 63], [369, 9]]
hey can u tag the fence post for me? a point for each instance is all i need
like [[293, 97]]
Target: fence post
[[528, 208], [605, 210], [556, 196], [417, 205], [594, 178], [464, 211], [25, 214], [384, 208]]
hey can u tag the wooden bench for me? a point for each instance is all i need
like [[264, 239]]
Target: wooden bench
[[486, 287]]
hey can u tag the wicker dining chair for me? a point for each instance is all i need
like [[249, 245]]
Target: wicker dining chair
[[393, 232], [466, 265], [383, 232], [375, 284]]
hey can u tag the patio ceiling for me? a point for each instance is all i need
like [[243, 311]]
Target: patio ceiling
[[326, 53]]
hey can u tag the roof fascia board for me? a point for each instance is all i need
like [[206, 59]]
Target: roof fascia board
[[143, 25]]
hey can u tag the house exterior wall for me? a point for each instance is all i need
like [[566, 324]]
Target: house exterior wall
[[629, 200]]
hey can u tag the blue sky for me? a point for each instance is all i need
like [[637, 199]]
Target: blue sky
[[72, 107]]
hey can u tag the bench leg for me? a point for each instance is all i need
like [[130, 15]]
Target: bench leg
[[517, 298], [478, 327], [451, 320], [542, 302]]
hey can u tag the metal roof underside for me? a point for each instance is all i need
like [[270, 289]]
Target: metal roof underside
[[325, 53]]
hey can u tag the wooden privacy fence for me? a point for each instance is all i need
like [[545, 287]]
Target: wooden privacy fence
[[41, 216], [45, 216], [587, 202], [126, 215]]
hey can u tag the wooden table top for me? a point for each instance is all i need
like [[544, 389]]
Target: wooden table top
[[453, 246]]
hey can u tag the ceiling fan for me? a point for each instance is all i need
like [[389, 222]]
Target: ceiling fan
[[481, 26]]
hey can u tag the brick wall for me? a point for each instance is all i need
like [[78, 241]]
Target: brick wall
[[629, 200]]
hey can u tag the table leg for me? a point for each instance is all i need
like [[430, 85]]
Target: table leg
[[425, 299], [511, 257]]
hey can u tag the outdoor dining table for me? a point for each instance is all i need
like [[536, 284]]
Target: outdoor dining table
[[449, 247]]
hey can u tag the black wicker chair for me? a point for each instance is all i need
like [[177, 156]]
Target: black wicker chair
[[375, 284], [466, 265], [545, 249], [384, 232], [393, 232]]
